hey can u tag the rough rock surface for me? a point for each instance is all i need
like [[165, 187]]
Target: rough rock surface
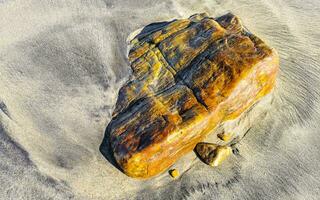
[[189, 76], [212, 154]]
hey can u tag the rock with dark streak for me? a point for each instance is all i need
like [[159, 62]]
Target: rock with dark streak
[[189, 76], [212, 154]]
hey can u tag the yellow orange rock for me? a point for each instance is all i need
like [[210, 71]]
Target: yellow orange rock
[[189, 76], [212, 154], [225, 136], [174, 173]]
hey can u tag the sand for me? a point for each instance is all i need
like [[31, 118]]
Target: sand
[[63, 62]]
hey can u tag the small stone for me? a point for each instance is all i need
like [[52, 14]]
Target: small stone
[[212, 154], [226, 136], [174, 173]]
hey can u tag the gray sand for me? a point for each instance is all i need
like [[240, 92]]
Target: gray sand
[[62, 63]]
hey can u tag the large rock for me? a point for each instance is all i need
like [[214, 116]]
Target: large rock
[[189, 76]]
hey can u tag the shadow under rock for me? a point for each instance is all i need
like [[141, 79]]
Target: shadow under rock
[[106, 150]]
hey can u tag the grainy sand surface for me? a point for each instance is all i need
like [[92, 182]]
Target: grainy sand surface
[[62, 63]]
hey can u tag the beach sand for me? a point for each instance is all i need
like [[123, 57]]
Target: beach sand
[[63, 62]]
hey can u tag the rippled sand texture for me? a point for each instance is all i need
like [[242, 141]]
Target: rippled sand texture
[[62, 64]]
